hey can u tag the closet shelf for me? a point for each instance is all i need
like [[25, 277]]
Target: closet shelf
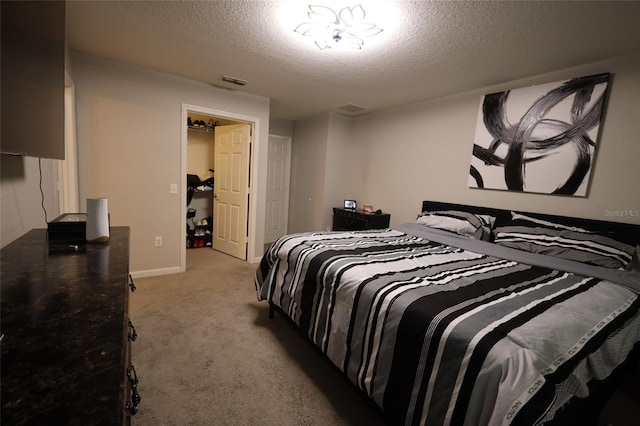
[[201, 129]]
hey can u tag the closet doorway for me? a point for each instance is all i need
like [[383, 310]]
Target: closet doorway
[[216, 165]]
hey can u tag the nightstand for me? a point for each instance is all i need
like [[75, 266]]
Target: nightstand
[[357, 220]]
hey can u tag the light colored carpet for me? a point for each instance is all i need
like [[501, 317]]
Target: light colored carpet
[[207, 354]]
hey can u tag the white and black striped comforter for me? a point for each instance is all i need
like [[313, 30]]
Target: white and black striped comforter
[[437, 334]]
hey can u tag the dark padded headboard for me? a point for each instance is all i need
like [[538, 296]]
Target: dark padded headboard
[[625, 229]]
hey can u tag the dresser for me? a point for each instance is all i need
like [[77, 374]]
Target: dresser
[[66, 332], [356, 220]]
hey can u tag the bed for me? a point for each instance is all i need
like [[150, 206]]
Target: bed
[[470, 315]]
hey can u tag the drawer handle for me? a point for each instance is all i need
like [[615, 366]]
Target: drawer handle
[[134, 405], [131, 374], [132, 332], [132, 285]]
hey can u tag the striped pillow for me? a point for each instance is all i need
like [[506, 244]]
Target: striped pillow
[[475, 225], [634, 265], [567, 242]]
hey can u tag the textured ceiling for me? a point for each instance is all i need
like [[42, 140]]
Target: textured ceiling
[[429, 49]]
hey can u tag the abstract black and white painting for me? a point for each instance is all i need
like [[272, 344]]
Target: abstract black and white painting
[[540, 139]]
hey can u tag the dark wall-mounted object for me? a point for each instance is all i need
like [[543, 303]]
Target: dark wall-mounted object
[[32, 69]]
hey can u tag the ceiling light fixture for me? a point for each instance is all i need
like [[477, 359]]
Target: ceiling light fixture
[[329, 29]]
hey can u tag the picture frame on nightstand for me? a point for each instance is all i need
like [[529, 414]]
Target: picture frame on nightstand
[[350, 205]]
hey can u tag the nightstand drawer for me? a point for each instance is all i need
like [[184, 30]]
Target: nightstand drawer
[[349, 220], [348, 223]]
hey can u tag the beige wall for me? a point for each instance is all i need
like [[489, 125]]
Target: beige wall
[[129, 150], [200, 157], [129, 133], [423, 152], [21, 201]]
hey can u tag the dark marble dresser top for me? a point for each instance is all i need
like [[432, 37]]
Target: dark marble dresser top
[[64, 325]]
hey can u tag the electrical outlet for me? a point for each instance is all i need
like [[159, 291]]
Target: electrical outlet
[[158, 241], [173, 188]]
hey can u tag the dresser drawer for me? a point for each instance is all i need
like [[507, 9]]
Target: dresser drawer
[[69, 369]]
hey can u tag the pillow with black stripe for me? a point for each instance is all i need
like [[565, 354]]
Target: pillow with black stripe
[[634, 265], [567, 242], [463, 223]]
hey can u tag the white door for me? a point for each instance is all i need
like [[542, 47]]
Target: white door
[[231, 189], [278, 174]]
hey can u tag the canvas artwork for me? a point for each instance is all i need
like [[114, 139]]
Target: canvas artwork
[[540, 139]]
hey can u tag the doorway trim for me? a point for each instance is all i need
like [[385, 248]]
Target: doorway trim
[[253, 196]]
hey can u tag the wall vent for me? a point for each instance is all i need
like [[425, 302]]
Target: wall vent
[[234, 80]]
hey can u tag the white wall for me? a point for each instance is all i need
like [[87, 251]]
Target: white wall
[[281, 127], [327, 168], [21, 200], [423, 151], [343, 173], [308, 162], [129, 150]]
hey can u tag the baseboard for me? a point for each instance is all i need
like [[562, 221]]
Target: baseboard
[[155, 272]]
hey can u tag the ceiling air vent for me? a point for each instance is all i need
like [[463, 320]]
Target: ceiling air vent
[[234, 80], [351, 110]]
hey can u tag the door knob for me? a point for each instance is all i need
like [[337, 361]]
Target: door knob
[[215, 195]]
